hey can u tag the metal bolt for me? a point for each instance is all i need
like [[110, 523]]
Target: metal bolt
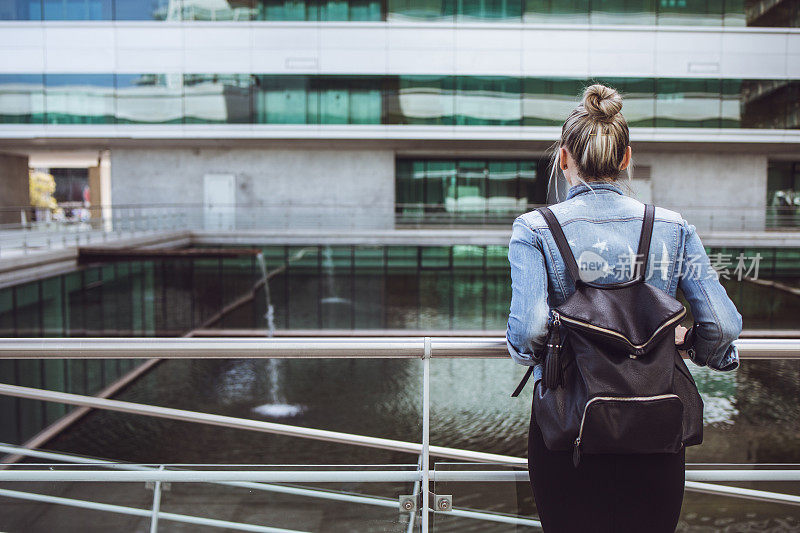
[[408, 503], [444, 502]]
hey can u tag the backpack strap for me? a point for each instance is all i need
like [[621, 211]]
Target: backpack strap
[[561, 242], [522, 382], [640, 269]]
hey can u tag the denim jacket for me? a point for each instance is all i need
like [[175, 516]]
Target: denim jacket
[[602, 227]]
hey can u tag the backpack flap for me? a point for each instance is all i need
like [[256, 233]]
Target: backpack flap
[[633, 318]]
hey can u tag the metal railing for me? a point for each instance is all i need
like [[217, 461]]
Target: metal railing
[[106, 223], [702, 479]]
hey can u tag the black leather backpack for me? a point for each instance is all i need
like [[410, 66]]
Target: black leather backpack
[[613, 379]]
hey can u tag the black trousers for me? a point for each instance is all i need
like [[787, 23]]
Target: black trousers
[[607, 493]]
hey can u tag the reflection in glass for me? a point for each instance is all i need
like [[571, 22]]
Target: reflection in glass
[[147, 10], [149, 98], [349, 99], [79, 98], [766, 103], [282, 100], [217, 98], [219, 10], [623, 12], [688, 102], [478, 10], [548, 102], [365, 99], [488, 100], [20, 9], [77, 9], [692, 12], [557, 11], [638, 102], [287, 10], [21, 98], [442, 10], [466, 188], [423, 100]]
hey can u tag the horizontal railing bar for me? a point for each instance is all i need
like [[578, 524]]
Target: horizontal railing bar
[[252, 425], [146, 513], [378, 501], [212, 476], [726, 475], [344, 476], [372, 333], [741, 492], [306, 347]]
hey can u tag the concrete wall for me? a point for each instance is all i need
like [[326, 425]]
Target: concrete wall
[[15, 186], [285, 189], [713, 191]]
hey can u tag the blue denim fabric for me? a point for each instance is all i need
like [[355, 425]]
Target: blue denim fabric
[[602, 226]]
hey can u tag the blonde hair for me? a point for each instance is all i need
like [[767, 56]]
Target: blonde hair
[[596, 135]]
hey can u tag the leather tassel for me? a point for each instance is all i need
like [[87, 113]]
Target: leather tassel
[[552, 368]]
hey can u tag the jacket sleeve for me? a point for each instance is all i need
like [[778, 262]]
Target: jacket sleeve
[[529, 312], [717, 323]]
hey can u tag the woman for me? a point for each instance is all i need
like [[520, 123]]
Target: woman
[[609, 492]]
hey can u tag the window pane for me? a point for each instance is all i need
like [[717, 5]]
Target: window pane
[[21, 98], [638, 102], [149, 98], [147, 10], [765, 103], [366, 103], [688, 102], [424, 100], [77, 9], [623, 12], [287, 10], [400, 10], [470, 196], [490, 9], [282, 100], [548, 102], [503, 187], [488, 100], [220, 10], [556, 11], [691, 12], [20, 9], [366, 10], [217, 98], [79, 98]]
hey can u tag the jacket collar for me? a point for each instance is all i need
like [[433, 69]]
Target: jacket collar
[[580, 188]]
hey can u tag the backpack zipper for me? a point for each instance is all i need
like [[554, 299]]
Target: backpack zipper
[[676, 318], [576, 453]]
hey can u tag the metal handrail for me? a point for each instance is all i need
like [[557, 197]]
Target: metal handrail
[[306, 347], [320, 347]]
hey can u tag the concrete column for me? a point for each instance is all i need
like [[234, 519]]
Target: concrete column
[[100, 188], [94, 191], [15, 186]]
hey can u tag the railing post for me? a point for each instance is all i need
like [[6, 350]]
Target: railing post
[[426, 433], [156, 504]]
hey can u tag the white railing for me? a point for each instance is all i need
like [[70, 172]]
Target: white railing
[[704, 480]]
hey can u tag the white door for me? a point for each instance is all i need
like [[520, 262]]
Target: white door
[[219, 201]]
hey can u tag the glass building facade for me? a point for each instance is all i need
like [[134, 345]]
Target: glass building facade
[[205, 98], [463, 190], [666, 12]]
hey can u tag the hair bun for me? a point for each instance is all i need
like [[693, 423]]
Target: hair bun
[[601, 102]]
